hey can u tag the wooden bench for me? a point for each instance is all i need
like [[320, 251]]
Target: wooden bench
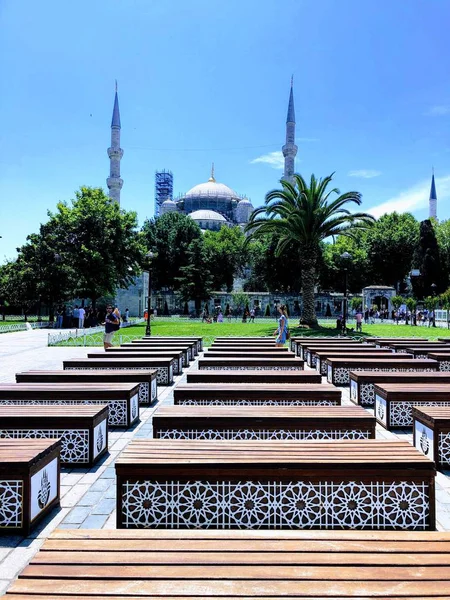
[[312, 339], [244, 341], [176, 338], [338, 369], [256, 423], [403, 347], [187, 351], [362, 390], [423, 351], [303, 348], [442, 358], [253, 377], [29, 483], [283, 484], [260, 364], [394, 401], [241, 565], [175, 356], [163, 366], [191, 346], [320, 356], [121, 398], [256, 394], [380, 342], [83, 429], [431, 427], [248, 348], [148, 389], [250, 354]]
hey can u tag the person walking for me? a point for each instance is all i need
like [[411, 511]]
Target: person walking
[[81, 315], [252, 315], [112, 324], [359, 320], [282, 332]]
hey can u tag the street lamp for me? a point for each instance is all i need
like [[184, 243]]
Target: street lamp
[[149, 256], [346, 257]]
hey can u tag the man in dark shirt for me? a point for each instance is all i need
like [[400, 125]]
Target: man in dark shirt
[[112, 324]]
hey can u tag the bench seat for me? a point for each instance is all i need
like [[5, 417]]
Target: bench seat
[[431, 427], [238, 353], [121, 398], [394, 401], [442, 358], [362, 390], [248, 348], [236, 565], [256, 394], [283, 484], [148, 389], [253, 377], [403, 346], [257, 423], [29, 482], [163, 366], [83, 429], [176, 356], [338, 369], [320, 356], [185, 350], [177, 338], [191, 347], [296, 342], [307, 351], [422, 351], [260, 364]]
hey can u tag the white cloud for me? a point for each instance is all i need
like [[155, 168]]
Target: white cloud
[[413, 198], [274, 159], [438, 110], [364, 173]]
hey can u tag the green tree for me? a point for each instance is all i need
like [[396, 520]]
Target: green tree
[[442, 231], [240, 299], [194, 281], [397, 301], [389, 246], [225, 256], [170, 236], [356, 302], [427, 259], [304, 216], [101, 243], [331, 264]]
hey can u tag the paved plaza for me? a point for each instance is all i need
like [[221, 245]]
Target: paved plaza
[[88, 496]]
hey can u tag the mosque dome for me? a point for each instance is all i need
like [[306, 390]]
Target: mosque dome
[[244, 210], [208, 219], [168, 206], [211, 196]]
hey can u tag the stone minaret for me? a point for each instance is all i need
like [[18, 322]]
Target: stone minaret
[[433, 199], [290, 149], [115, 153]]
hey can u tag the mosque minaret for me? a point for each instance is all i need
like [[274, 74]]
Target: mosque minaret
[[290, 149], [432, 203], [115, 153]]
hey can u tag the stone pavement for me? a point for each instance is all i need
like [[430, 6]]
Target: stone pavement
[[88, 496]]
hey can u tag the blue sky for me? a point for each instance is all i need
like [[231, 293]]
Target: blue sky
[[208, 80]]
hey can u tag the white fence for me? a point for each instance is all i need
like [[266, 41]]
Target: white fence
[[86, 337], [22, 326]]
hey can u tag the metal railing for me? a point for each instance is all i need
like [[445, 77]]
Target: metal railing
[[89, 337], [22, 326]]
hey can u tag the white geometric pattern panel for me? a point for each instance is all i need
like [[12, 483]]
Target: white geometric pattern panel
[[251, 368], [161, 374], [444, 448], [11, 499], [246, 402], [74, 442], [401, 412], [341, 374], [262, 434], [275, 505], [444, 365], [144, 393]]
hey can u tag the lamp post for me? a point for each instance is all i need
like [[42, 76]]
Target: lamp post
[[433, 293], [149, 256], [346, 257]]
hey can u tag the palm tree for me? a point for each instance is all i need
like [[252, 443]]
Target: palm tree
[[305, 216]]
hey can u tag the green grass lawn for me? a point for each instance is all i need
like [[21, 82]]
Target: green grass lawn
[[259, 328]]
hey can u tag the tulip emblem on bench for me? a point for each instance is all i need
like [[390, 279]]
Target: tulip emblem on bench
[[44, 492], [424, 443], [381, 411], [99, 440]]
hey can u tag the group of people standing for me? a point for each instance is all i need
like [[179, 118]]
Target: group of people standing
[[80, 317]]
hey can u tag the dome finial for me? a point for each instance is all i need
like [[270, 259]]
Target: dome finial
[[212, 174]]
